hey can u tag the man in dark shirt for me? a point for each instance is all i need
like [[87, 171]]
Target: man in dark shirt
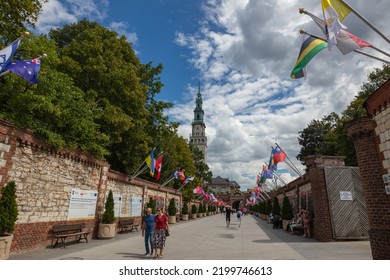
[[228, 214]]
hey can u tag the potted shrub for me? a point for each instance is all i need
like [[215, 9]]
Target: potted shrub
[[172, 211], [184, 212], [107, 226], [200, 211], [8, 217], [287, 212], [194, 211]]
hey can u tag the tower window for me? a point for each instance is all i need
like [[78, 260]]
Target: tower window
[[197, 116]]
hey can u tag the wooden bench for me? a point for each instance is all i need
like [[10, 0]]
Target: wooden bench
[[127, 225], [61, 232]]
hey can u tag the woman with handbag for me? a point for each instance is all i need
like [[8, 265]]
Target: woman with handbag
[[161, 230]]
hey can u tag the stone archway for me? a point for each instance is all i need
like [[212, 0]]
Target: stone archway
[[236, 204]]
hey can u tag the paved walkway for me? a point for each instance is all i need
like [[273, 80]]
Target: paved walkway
[[208, 239]]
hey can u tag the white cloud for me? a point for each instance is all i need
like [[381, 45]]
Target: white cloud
[[244, 51], [121, 28], [56, 13]]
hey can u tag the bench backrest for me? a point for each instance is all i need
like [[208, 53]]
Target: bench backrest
[[68, 228], [126, 222]]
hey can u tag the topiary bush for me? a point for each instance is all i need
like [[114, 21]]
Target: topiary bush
[[8, 209], [276, 207], [172, 208], [152, 204], [287, 210], [185, 209], [109, 216], [194, 209]]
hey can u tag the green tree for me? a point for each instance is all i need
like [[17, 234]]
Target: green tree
[[194, 209], [15, 14], [185, 209], [8, 208], [287, 210], [172, 207], [276, 207], [109, 216]]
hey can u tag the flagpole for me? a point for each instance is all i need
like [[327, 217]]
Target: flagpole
[[302, 31], [366, 21]]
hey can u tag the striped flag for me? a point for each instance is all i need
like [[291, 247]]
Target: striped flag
[[310, 47], [346, 42], [7, 53], [334, 12]]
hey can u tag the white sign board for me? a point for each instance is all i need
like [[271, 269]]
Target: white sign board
[[345, 195], [135, 206], [387, 188], [82, 204]]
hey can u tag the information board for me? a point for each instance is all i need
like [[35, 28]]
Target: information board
[[344, 195], [135, 206], [117, 204], [82, 204]]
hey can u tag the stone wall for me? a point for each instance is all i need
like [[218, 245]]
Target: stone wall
[[45, 178]]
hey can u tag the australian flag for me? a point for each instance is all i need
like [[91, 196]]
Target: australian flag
[[7, 53], [27, 69]]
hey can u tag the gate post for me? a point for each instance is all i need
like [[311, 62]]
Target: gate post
[[362, 132], [323, 228]]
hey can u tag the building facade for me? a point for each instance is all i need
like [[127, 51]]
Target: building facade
[[221, 185], [198, 135]]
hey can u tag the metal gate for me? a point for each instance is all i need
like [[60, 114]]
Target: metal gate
[[346, 203]]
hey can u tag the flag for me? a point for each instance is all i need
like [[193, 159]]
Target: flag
[[158, 166], [7, 53], [151, 162], [334, 12], [197, 190], [268, 174], [346, 42], [189, 179], [310, 47], [180, 175], [27, 69], [279, 155]]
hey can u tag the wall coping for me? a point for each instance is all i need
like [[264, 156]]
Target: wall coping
[[378, 100]]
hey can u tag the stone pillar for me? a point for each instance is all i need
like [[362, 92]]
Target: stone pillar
[[323, 228], [362, 132]]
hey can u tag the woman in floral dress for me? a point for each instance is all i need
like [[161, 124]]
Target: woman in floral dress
[[160, 228]]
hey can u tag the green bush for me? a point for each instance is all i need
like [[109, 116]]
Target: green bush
[[152, 204], [276, 207], [287, 210], [194, 209], [8, 208], [185, 209], [172, 208], [109, 216]]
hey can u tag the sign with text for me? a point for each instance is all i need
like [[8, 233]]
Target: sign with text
[[386, 178], [344, 195], [82, 204], [135, 206]]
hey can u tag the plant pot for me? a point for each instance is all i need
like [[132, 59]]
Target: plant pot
[[193, 216], [199, 215], [285, 224], [172, 219], [184, 217], [5, 246], [106, 231]]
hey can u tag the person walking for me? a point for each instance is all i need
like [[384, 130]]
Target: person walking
[[239, 215], [148, 231], [306, 222], [161, 230], [228, 214]]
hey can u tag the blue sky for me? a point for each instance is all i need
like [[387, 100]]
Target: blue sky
[[242, 52]]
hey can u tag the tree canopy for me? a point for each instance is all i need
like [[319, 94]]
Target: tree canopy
[[328, 136], [95, 95]]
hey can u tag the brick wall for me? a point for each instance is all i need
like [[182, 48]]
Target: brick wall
[[366, 143]]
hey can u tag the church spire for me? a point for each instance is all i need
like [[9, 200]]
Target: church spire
[[198, 111]]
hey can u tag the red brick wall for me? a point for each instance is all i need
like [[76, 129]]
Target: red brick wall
[[322, 222], [366, 143]]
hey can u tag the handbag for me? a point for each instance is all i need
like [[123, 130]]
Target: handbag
[[167, 232]]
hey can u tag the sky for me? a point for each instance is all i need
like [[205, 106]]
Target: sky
[[242, 53]]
